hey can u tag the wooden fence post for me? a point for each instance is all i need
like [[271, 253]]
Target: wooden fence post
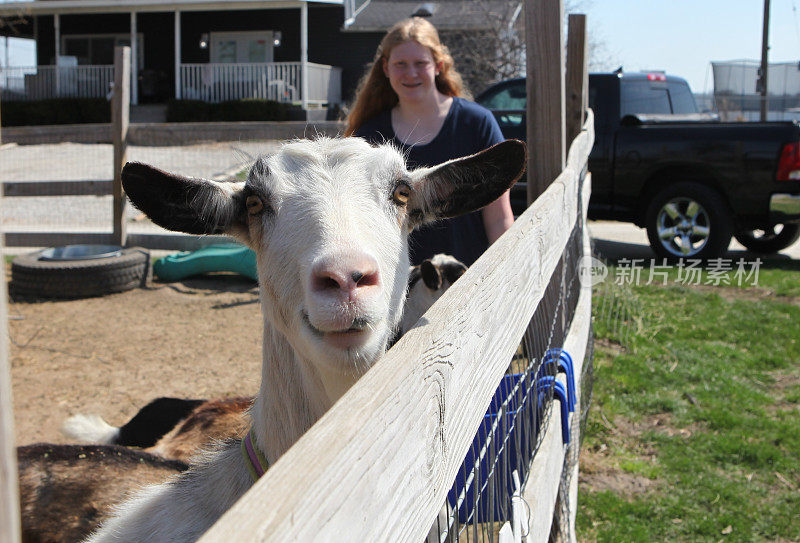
[[9, 495], [120, 116], [577, 75], [544, 35]]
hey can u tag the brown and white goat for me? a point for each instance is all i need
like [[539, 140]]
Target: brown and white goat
[[329, 221], [66, 491], [173, 428]]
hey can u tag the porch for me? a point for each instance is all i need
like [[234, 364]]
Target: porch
[[207, 50], [210, 82]]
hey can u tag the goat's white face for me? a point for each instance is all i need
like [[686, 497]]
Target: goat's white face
[[331, 240], [329, 221]]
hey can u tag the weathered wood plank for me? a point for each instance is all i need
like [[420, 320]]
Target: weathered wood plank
[[386, 454], [541, 488], [56, 188], [545, 85], [9, 501], [577, 79], [120, 120]]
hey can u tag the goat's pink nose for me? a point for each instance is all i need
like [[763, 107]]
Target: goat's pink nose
[[344, 274]]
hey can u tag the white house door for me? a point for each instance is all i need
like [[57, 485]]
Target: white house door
[[241, 47]]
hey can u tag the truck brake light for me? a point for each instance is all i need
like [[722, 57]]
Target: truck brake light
[[789, 163], [656, 77]]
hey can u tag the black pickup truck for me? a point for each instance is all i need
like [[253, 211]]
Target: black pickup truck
[[689, 179]]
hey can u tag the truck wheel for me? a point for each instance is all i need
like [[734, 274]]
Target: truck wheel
[[688, 220], [34, 277], [769, 241]]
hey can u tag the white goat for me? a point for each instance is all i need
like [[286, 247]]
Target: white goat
[[328, 220]]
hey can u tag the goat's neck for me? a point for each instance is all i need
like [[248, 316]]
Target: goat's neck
[[294, 394]]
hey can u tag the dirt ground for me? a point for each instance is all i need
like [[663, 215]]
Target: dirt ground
[[199, 338]]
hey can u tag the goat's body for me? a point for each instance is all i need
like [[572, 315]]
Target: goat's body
[[172, 428], [154, 421], [66, 491], [183, 508], [210, 422]]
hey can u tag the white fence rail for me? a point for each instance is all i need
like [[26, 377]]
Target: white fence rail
[[324, 84], [379, 464], [43, 82], [279, 81]]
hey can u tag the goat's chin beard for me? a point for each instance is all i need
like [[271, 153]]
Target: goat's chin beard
[[351, 353]]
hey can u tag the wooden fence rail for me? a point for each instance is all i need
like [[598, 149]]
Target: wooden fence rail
[[386, 454], [379, 464], [540, 490], [9, 501]]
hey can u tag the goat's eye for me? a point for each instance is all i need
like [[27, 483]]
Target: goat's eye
[[401, 194], [254, 205]]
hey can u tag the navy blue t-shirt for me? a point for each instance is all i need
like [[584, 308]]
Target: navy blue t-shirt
[[467, 129]]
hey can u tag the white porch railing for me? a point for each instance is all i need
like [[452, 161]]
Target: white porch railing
[[324, 84], [280, 81], [42, 82]]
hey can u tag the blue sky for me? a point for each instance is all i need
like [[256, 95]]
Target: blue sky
[[682, 37]]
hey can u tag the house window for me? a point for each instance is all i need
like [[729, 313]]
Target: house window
[[98, 49], [241, 47]]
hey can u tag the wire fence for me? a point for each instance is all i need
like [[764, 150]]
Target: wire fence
[[737, 94], [62, 192], [617, 313], [497, 464]]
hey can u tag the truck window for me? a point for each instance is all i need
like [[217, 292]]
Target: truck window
[[643, 97], [681, 97], [510, 97]]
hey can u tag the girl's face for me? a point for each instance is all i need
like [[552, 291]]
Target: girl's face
[[411, 71]]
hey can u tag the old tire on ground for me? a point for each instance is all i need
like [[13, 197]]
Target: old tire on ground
[[35, 278], [689, 220], [771, 240]]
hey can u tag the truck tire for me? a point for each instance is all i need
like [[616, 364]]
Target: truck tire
[[776, 239], [688, 220], [33, 278]]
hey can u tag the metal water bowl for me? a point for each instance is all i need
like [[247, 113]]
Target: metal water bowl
[[81, 252]]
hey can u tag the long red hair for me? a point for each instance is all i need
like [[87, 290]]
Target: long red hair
[[375, 94]]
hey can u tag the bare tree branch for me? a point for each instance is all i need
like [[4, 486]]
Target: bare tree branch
[[496, 51]]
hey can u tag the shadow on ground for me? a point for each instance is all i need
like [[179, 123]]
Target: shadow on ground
[[614, 251]]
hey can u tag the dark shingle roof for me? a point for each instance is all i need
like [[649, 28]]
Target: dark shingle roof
[[380, 15]]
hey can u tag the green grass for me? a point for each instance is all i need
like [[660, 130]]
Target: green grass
[[696, 397]]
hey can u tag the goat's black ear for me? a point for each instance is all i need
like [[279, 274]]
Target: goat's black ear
[[185, 204], [466, 184], [453, 270], [431, 275]]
